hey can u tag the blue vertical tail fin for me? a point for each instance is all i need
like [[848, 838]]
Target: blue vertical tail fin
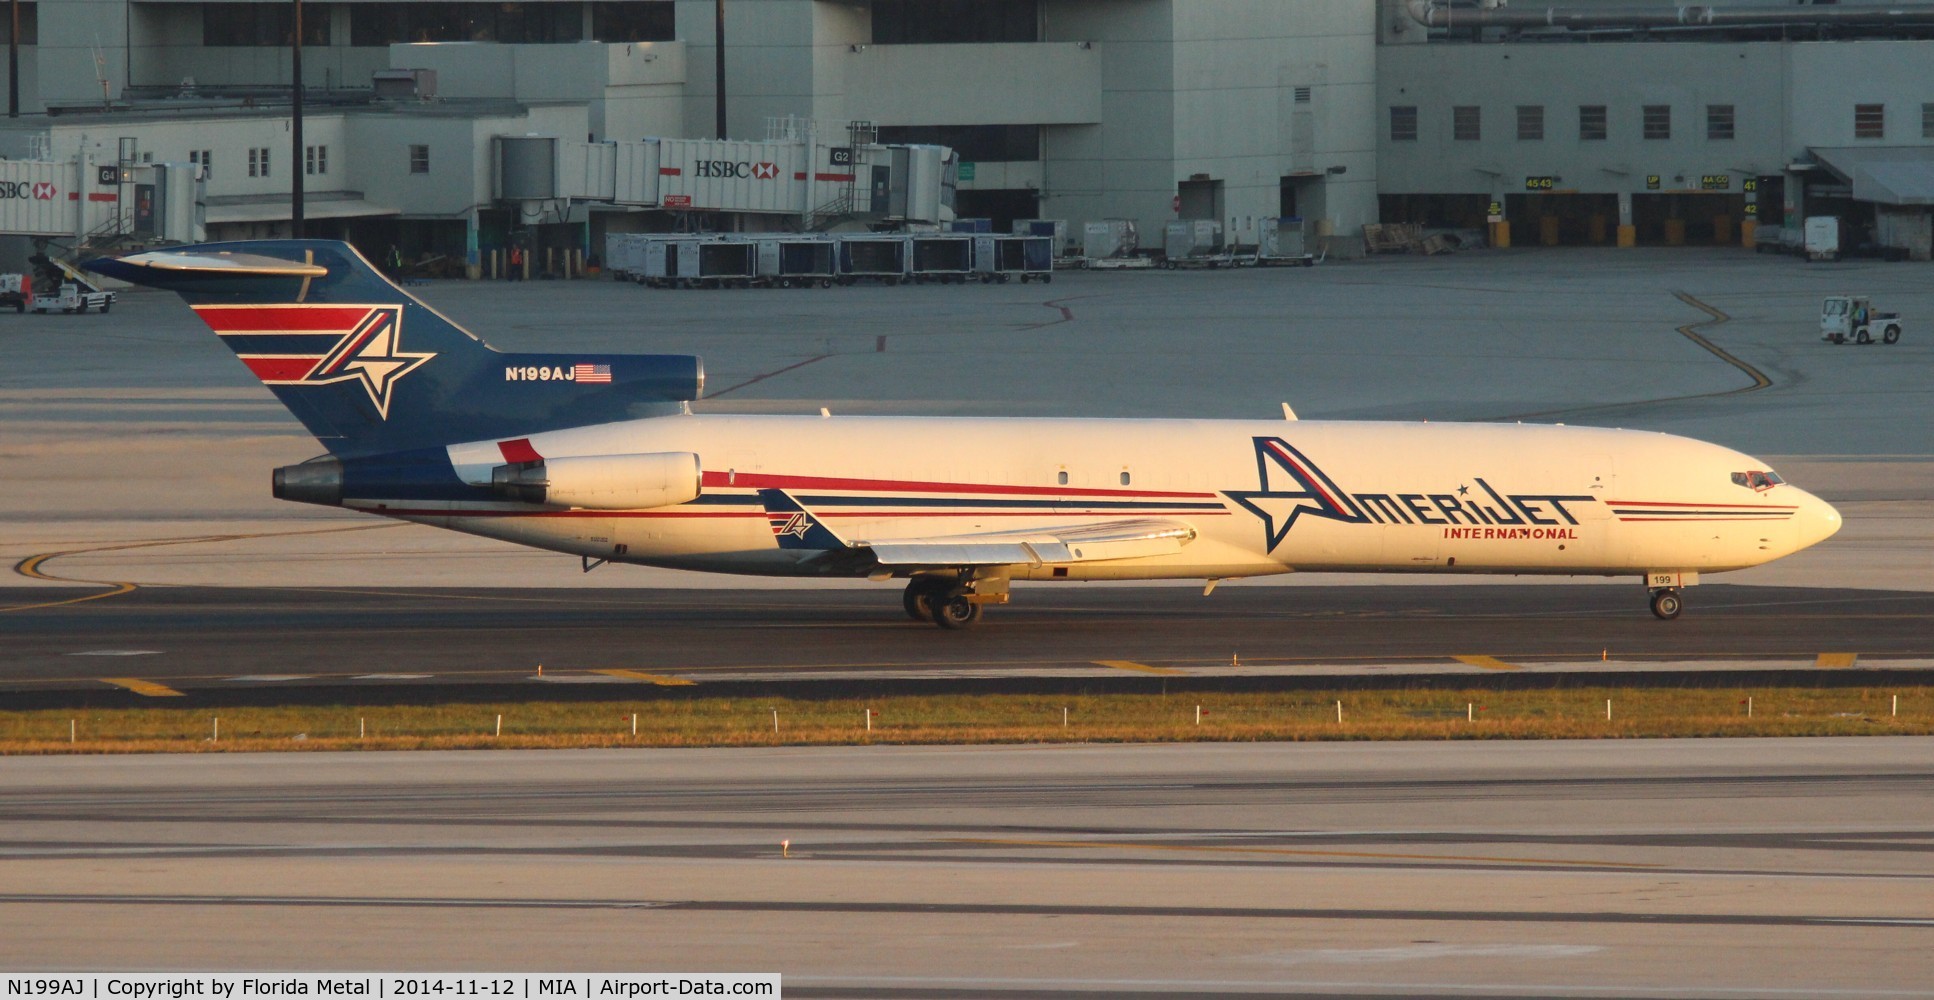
[[369, 369]]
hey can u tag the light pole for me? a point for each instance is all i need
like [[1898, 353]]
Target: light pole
[[719, 62], [13, 59], [296, 162]]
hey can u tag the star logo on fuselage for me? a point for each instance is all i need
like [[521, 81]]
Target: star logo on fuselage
[[369, 354], [1291, 486]]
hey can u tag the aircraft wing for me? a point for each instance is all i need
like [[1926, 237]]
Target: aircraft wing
[[1089, 541]]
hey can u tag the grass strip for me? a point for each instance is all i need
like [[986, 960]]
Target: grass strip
[[1395, 714]]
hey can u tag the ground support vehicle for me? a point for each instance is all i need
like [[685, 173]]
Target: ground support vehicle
[[1852, 317], [77, 294], [999, 258], [16, 290], [73, 298]]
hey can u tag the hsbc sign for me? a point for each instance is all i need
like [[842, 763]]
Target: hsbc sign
[[39, 190], [742, 169]]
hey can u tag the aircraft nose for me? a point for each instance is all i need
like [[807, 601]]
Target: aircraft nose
[[1815, 521]]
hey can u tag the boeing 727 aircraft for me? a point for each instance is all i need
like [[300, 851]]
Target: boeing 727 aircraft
[[598, 455]]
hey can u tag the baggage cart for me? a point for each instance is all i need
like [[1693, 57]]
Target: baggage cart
[[671, 261], [945, 258], [883, 257], [998, 258], [797, 261], [726, 264]]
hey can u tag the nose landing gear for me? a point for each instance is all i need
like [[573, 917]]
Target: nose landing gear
[[1666, 604]]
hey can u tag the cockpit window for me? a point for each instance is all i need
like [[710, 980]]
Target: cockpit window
[[1757, 480]]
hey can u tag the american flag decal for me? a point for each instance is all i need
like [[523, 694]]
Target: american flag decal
[[591, 373]]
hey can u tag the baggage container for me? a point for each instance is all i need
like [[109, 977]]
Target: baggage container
[[671, 261], [1281, 241], [947, 257], [998, 258], [973, 226], [726, 264], [624, 255], [1053, 229], [885, 257], [1186, 238], [797, 261], [1108, 238]]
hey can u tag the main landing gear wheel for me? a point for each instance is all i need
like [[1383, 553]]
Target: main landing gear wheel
[[1666, 604], [919, 598], [955, 609]]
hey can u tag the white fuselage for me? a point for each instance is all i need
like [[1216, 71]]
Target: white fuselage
[[1263, 496]]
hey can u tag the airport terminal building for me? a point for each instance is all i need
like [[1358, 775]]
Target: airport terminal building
[[1618, 122]]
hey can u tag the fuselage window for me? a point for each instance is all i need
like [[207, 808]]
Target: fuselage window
[[1062, 478], [1124, 479]]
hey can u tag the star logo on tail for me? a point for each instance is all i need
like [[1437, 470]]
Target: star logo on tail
[[369, 353], [1290, 487]]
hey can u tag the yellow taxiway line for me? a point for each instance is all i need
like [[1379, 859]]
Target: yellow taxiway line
[[139, 686], [638, 675], [1487, 662], [1137, 667]]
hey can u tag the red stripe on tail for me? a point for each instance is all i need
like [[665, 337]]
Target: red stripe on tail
[[280, 369], [283, 319]]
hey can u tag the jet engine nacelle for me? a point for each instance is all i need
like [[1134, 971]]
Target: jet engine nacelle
[[602, 482]]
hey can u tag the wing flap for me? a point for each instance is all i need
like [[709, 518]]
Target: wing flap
[[1097, 541]]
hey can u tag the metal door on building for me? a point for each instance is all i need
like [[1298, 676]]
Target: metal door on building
[[1200, 199]]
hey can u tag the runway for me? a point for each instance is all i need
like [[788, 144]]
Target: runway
[[268, 645], [1763, 868]]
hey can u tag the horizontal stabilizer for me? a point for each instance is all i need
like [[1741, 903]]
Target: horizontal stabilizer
[[237, 264]]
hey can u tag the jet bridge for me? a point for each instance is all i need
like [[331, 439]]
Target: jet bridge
[[100, 203], [804, 178]]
